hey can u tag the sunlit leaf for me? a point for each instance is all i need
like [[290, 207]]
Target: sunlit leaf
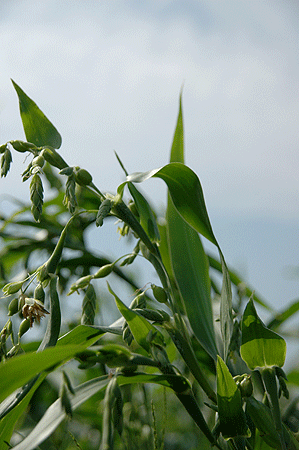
[[261, 347], [38, 129]]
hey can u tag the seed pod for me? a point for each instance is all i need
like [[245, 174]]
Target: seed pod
[[263, 420], [53, 158], [83, 177], [159, 293], [39, 293], [103, 211], [104, 271], [21, 146], [24, 327], [89, 306], [139, 301], [6, 160], [81, 283], [36, 196], [13, 307], [12, 288], [38, 161]]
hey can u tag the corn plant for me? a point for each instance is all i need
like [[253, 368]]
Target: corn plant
[[191, 338]]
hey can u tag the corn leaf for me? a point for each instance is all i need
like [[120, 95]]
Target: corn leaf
[[261, 347], [55, 414], [231, 415], [19, 370], [38, 129], [188, 260], [187, 196]]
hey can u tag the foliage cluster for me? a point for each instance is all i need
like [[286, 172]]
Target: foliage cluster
[[188, 364]]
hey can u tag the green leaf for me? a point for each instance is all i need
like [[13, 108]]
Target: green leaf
[[147, 218], [55, 414], [38, 129], [231, 415], [186, 193], [187, 196], [188, 260], [19, 370], [260, 347], [139, 326]]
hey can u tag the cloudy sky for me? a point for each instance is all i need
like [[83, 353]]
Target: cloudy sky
[[108, 74]]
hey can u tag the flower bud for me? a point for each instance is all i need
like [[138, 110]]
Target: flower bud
[[53, 158], [39, 293], [38, 161], [12, 288], [81, 283], [21, 146], [24, 327], [13, 307], [159, 293], [104, 271], [83, 177]]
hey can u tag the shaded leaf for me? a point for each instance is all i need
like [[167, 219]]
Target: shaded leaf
[[231, 415]]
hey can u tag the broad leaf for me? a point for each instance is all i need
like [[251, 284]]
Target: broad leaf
[[231, 415], [261, 347], [38, 129]]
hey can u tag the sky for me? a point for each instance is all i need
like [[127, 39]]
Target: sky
[[108, 74]]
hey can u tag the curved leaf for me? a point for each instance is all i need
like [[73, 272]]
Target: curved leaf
[[38, 129], [187, 196]]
